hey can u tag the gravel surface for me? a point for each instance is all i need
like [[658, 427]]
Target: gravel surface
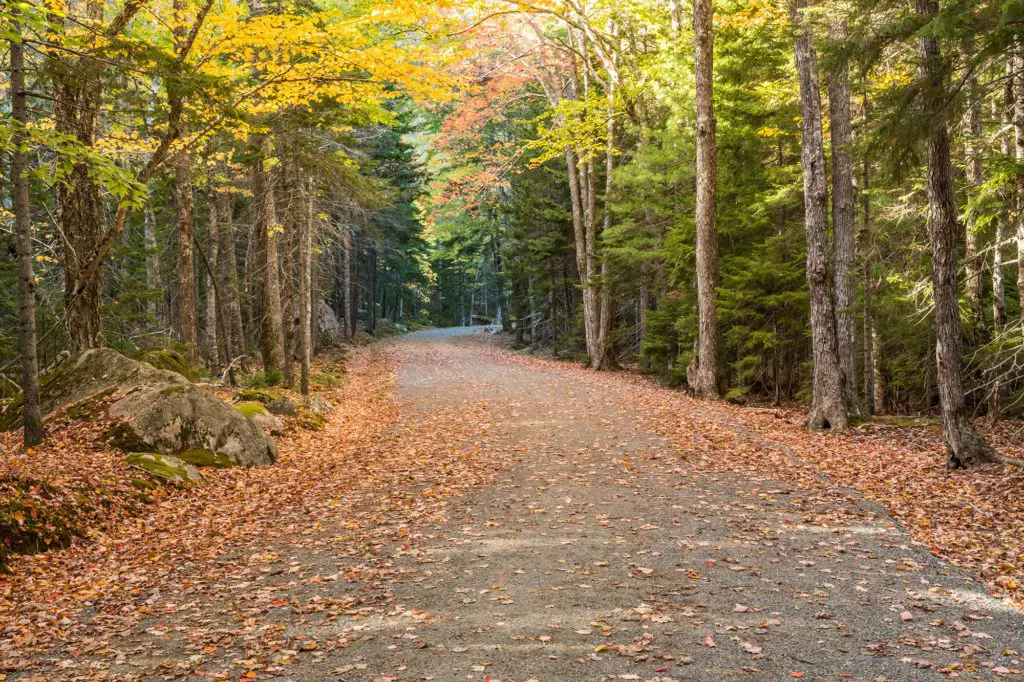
[[590, 552]]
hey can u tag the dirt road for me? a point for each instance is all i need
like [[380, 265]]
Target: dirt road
[[585, 549]]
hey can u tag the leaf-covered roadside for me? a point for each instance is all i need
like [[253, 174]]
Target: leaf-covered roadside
[[973, 518], [359, 483]]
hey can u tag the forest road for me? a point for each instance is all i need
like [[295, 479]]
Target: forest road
[[595, 554], [514, 522]]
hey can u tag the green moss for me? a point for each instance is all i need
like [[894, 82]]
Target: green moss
[[173, 389], [250, 410], [205, 458], [173, 361], [256, 395], [165, 468]]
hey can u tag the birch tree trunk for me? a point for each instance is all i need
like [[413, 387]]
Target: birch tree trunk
[[827, 407], [705, 382], [32, 421], [843, 217], [963, 444]]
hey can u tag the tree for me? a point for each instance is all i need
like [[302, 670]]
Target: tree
[[705, 382], [843, 213], [828, 408], [31, 417], [964, 446]]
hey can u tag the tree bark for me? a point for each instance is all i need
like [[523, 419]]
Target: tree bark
[[972, 258], [1003, 227], [867, 253], [228, 267], [79, 205], [268, 233], [32, 420], [346, 283], [153, 282], [963, 444], [828, 409], [705, 382], [1018, 127], [843, 217], [293, 216], [188, 324], [305, 228], [213, 339]]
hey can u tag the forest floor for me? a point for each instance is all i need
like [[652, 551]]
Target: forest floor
[[472, 514]]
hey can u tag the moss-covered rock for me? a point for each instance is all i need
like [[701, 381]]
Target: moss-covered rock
[[251, 409], [319, 405], [261, 417], [152, 410], [255, 395], [172, 361], [205, 458], [166, 469], [283, 406]]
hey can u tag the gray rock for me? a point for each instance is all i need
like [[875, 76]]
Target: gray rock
[[330, 330], [166, 469], [261, 417], [154, 410], [319, 405], [283, 406]]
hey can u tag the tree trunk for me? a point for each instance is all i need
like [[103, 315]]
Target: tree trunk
[[229, 272], [843, 217], [346, 283], [867, 254], [268, 233], [305, 234], [371, 291], [212, 301], [153, 282], [188, 326], [972, 258], [1018, 126], [32, 420], [1003, 227], [827, 408], [293, 215], [705, 382], [963, 444], [80, 212]]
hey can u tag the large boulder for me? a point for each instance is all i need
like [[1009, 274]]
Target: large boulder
[[261, 417], [154, 410], [329, 326]]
